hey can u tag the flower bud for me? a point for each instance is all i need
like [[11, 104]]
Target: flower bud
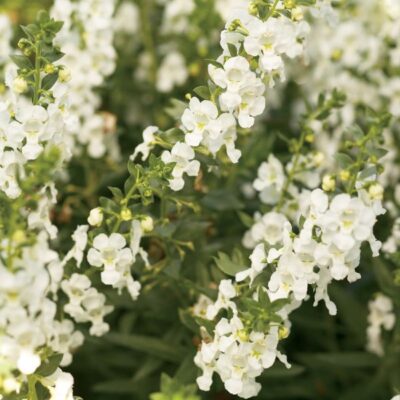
[[344, 175], [126, 214], [20, 85], [310, 138], [289, 4], [23, 43], [375, 191], [18, 236], [96, 217], [147, 224], [253, 9], [49, 69], [328, 183]]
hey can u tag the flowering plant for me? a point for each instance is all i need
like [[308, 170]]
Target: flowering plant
[[237, 242]]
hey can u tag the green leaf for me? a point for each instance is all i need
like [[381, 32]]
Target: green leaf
[[187, 372], [355, 132], [49, 366], [351, 312], [385, 278], [150, 345], [188, 320], [222, 200], [263, 298], [232, 50], [30, 30], [367, 172], [215, 63], [53, 55], [343, 160], [49, 81], [117, 193], [176, 109], [203, 92], [228, 266], [246, 219], [22, 62], [43, 16], [116, 386]]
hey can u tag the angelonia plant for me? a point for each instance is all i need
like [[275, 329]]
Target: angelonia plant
[[249, 249]]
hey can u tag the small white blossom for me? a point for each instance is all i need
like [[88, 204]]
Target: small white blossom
[[381, 316], [182, 155]]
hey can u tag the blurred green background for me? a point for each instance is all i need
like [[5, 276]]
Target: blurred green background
[[22, 10]]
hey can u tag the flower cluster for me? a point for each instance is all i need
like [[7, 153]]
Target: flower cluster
[[28, 309], [327, 247], [310, 218], [87, 41], [342, 47], [235, 354], [86, 304], [35, 131], [253, 53], [112, 254], [309, 238]]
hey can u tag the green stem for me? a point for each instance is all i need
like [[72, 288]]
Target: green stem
[[163, 208], [32, 395], [272, 10], [363, 153], [124, 202], [37, 78]]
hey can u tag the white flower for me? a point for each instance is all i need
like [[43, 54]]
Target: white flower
[[172, 72], [34, 125], [198, 119], [127, 19], [61, 388], [226, 292], [271, 39], [176, 15], [111, 253], [95, 217], [182, 155], [381, 316], [269, 228], [147, 145], [64, 339], [237, 356], [200, 308], [243, 93], [147, 224], [86, 304], [258, 263], [20, 85], [80, 239], [270, 181], [76, 287]]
